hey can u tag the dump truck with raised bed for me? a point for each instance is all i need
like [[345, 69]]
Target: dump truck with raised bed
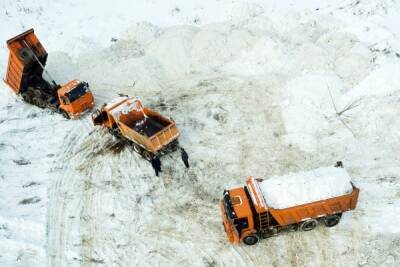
[[26, 66], [150, 133], [297, 201]]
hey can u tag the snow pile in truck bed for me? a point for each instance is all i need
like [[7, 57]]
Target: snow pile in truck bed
[[127, 107], [115, 101], [299, 188]]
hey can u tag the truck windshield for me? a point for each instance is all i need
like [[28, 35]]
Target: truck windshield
[[80, 90], [228, 206]]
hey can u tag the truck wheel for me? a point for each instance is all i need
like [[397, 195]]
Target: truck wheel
[[174, 146], [331, 220], [147, 155], [115, 132], [37, 98], [27, 97], [293, 228], [250, 240], [137, 148], [36, 101], [64, 114], [41, 103], [308, 225]]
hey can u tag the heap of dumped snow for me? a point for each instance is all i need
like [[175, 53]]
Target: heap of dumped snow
[[294, 189], [115, 101], [126, 107]]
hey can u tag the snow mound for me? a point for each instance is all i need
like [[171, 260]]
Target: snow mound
[[127, 107], [300, 188], [115, 101]]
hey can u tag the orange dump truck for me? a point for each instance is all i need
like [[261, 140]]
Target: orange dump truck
[[298, 201], [26, 66], [150, 133]]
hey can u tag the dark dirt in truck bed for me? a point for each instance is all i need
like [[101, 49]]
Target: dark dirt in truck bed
[[148, 126]]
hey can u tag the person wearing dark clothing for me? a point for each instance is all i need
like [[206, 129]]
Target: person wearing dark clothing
[[185, 157], [339, 164], [156, 163]]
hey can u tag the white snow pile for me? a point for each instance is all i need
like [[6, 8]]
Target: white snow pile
[[300, 84], [127, 107], [299, 188], [115, 101]]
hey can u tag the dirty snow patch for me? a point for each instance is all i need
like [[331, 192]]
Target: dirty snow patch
[[300, 188]]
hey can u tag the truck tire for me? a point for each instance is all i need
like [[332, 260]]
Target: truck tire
[[41, 103], [250, 240], [115, 132], [64, 114], [174, 146], [27, 97], [147, 155], [293, 227], [137, 148], [36, 101], [39, 98], [332, 220], [308, 225]]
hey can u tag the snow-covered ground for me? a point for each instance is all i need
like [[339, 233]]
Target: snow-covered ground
[[255, 89]]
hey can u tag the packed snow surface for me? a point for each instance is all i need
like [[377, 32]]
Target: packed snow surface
[[299, 188], [256, 88]]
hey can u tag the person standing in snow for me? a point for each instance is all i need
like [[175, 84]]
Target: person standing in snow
[[156, 163], [185, 157], [339, 164]]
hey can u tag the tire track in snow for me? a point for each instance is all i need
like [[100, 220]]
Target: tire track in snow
[[57, 204], [65, 202], [121, 209]]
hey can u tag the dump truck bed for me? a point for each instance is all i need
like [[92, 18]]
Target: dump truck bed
[[316, 209], [143, 125], [148, 126], [299, 213], [21, 68]]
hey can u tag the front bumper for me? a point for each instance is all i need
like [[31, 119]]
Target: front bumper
[[86, 109]]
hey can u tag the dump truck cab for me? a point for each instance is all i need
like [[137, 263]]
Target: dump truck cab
[[75, 97], [26, 67], [236, 215]]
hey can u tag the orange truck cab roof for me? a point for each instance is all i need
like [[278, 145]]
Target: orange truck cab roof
[[240, 202], [68, 87], [75, 97]]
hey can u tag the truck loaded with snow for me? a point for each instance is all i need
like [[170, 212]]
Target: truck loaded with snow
[[150, 133], [26, 65], [265, 208]]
